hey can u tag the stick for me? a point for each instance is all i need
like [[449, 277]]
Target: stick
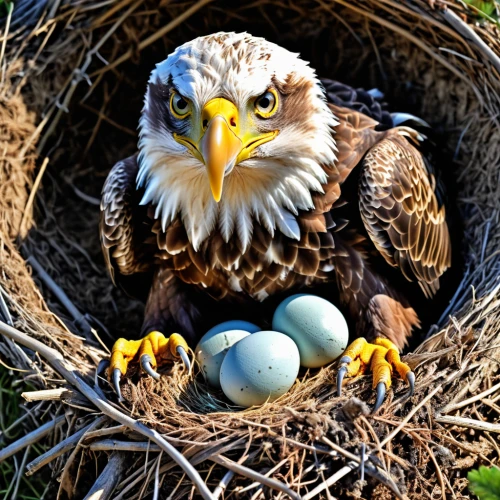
[[156, 490], [374, 471], [68, 372], [415, 40], [473, 399], [106, 483], [61, 448], [255, 476], [31, 438], [57, 291], [154, 37], [46, 395], [19, 473], [223, 484], [330, 481], [5, 309], [410, 415], [341, 450], [32, 195], [466, 31], [470, 423], [115, 445]]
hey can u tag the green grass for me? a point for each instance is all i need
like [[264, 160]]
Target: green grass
[[11, 410], [5, 7], [485, 483], [486, 9]]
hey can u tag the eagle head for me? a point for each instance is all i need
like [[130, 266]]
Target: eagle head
[[235, 131]]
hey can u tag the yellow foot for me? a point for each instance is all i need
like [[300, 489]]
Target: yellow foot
[[151, 351], [382, 357]]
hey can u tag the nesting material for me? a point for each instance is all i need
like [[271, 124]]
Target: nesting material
[[70, 101]]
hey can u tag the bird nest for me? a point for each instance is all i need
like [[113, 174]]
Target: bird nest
[[74, 75]]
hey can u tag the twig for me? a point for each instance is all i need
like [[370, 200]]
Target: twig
[[108, 479], [375, 472], [10, 7], [105, 432], [4, 309], [223, 484], [267, 474], [255, 476], [363, 458], [466, 31], [54, 288], [46, 395], [34, 190], [31, 438], [19, 474], [410, 415], [107, 119], [156, 490], [473, 399], [438, 470], [415, 40], [154, 37], [57, 361], [61, 448], [470, 423], [115, 445], [331, 480], [341, 450]]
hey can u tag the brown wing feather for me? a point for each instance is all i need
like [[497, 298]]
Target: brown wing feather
[[401, 213], [124, 226], [354, 135]]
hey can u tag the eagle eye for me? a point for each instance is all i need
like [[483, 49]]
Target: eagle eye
[[179, 105], [266, 104]]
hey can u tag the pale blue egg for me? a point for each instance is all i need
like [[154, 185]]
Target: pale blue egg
[[234, 324], [213, 346], [259, 368], [318, 328]]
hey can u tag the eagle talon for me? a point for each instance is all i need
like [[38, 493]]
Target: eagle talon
[[340, 378], [382, 357], [117, 375], [146, 364], [410, 378], [151, 351], [381, 390], [183, 355]]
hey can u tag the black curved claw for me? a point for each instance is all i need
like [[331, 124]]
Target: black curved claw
[[145, 361], [381, 390], [344, 360], [410, 378], [117, 375], [183, 354], [340, 378]]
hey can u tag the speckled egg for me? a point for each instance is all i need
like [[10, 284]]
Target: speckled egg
[[318, 328], [213, 346], [259, 368]]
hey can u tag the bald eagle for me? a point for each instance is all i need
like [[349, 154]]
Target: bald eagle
[[251, 182]]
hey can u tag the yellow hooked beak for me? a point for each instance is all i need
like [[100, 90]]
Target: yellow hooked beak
[[223, 144]]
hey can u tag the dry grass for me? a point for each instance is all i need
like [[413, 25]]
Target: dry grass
[[69, 105]]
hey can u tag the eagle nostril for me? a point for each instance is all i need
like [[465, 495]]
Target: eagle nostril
[[232, 122], [204, 124]]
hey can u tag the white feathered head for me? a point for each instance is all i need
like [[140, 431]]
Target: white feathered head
[[234, 132]]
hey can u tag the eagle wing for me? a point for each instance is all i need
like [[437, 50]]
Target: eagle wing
[[124, 227], [400, 210]]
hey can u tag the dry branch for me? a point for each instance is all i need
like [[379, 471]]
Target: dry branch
[[109, 478], [31, 438]]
